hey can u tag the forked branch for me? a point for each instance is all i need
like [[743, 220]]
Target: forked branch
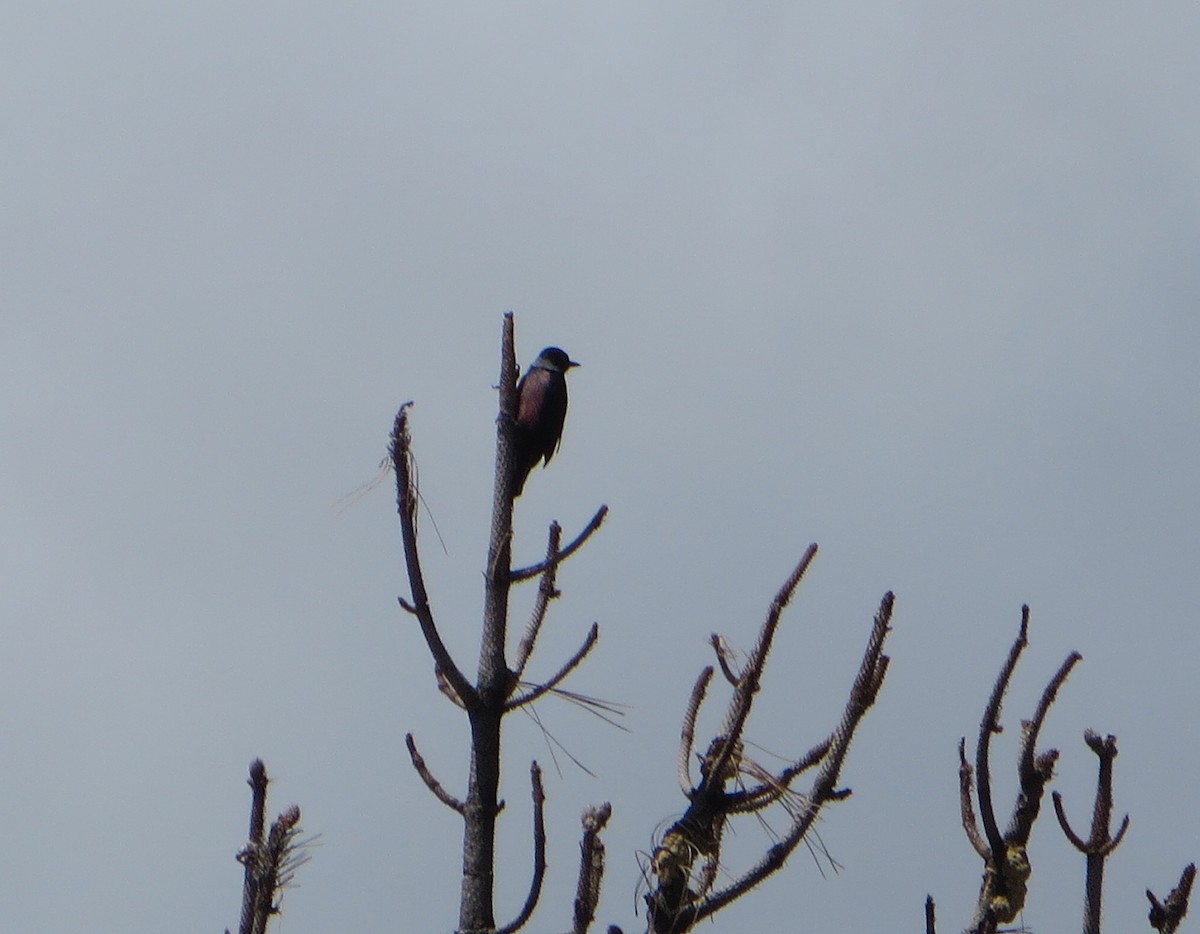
[[681, 890], [863, 693], [1006, 861], [1100, 842], [1167, 915], [270, 861]]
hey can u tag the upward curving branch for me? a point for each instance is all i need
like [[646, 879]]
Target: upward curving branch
[[406, 506], [524, 574], [559, 676], [539, 854], [1100, 842], [989, 726], [687, 733]]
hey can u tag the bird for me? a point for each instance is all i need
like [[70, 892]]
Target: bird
[[541, 411]]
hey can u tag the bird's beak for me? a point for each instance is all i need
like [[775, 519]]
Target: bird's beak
[[571, 363]]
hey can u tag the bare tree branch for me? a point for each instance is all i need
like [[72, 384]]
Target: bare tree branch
[[270, 862], [539, 853], [1076, 841], [970, 825], [523, 574], [748, 683], [431, 783], [570, 665], [258, 807], [1167, 915], [1099, 843], [775, 786], [1006, 862], [863, 693], [687, 733], [723, 659], [276, 865], [675, 906], [1036, 770], [591, 868], [546, 593], [446, 688], [406, 505], [989, 726]]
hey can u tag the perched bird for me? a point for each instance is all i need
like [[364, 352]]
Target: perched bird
[[541, 410]]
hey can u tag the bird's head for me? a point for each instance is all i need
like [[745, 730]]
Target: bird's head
[[554, 358]]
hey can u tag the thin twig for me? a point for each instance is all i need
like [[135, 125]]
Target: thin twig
[[524, 574], [570, 665], [546, 593], [439, 791], [776, 786], [722, 653]]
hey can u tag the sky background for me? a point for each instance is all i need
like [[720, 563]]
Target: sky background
[[916, 281]]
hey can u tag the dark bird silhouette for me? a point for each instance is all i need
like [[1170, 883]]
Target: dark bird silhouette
[[541, 411]]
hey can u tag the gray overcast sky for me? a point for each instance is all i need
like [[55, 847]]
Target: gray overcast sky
[[916, 281]]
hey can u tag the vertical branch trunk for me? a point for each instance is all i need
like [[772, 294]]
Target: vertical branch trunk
[[1094, 888], [476, 906]]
